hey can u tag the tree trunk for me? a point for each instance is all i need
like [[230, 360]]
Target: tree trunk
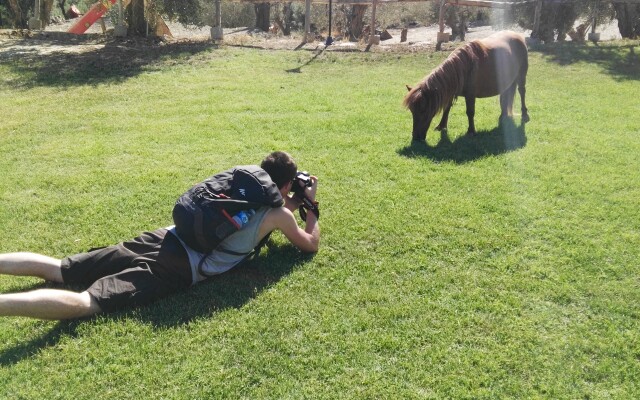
[[19, 18], [355, 22], [628, 16], [451, 20], [284, 22], [555, 18], [263, 16], [535, 30], [288, 17], [45, 12], [136, 16], [61, 4]]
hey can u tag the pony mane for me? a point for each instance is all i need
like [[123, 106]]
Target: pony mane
[[443, 84]]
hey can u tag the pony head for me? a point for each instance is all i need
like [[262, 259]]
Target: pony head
[[423, 106]]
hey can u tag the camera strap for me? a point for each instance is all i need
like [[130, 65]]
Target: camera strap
[[311, 205]]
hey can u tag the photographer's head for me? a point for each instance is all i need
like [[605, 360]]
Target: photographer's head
[[281, 168]]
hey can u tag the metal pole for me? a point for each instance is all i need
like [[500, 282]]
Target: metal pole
[[329, 38]]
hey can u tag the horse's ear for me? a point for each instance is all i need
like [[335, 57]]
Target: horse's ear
[[408, 87]]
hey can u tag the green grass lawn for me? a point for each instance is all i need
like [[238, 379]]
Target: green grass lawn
[[503, 265]]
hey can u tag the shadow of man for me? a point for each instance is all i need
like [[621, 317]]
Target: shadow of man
[[232, 289]]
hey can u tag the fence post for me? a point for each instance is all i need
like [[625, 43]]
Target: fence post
[[34, 22], [120, 29], [373, 38], [307, 21], [594, 36], [216, 29], [442, 37]]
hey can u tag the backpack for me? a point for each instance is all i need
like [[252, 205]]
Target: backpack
[[203, 216]]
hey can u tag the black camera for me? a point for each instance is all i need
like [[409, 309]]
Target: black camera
[[300, 183]]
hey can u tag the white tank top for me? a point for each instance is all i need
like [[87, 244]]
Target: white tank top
[[242, 241]]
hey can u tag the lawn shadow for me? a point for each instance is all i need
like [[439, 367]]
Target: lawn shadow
[[64, 61], [27, 349], [233, 289], [505, 138], [316, 54], [620, 59]]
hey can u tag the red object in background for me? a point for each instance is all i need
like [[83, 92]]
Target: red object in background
[[95, 13], [73, 12]]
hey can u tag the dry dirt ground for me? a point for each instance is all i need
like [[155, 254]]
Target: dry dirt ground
[[55, 40]]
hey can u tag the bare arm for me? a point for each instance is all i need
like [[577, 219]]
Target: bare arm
[[307, 239]]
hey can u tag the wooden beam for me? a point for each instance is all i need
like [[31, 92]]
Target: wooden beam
[[350, 2], [307, 21], [372, 31], [479, 3], [487, 3]]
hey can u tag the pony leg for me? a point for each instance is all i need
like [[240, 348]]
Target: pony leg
[[471, 111], [442, 126], [522, 90], [506, 102]]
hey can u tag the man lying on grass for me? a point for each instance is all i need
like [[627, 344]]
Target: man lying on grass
[[157, 263]]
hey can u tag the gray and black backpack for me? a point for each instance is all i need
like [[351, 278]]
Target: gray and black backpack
[[203, 216]]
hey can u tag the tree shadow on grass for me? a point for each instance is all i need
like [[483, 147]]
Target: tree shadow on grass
[[620, 59], [64, 61], [233, 289], [505, 138], [316, 53]]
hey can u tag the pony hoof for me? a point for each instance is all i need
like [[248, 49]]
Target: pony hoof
[[525, 118], [418, 141]]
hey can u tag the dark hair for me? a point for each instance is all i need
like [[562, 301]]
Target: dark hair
[[280, 167]]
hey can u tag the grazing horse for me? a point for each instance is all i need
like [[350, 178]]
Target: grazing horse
[[481, 68]]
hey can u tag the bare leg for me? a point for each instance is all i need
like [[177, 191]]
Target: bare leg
[[31, 264], [49, 304]]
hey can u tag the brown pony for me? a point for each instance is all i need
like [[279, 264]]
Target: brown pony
[[481, 68]]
